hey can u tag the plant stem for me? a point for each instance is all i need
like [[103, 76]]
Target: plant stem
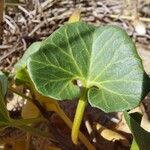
[[20, 94], [79, 115], [17, 122], [63, 116], [65, 143], [82, 137]]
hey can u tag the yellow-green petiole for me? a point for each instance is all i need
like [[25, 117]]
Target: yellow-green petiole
[[79, 116]]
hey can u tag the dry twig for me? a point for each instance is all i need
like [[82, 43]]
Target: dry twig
[[1, 20]]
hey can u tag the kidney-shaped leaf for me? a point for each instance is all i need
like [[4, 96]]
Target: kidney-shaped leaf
[[103, 58]]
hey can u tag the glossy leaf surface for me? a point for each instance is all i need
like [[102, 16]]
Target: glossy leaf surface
[[103, 58]]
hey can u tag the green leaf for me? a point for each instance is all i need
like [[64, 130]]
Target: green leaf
[[103, 58], [4, 116], [3, 112], [134, 145], [22, 77], [23, 61], [140, 135], [3, 83]]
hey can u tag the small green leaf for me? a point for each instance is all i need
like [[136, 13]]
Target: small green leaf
[[103, 58], [134, 145], [22, 77], [4, 116], [3, 83], [23, 61], [140, 135]]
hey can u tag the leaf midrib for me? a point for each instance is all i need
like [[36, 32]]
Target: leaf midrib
[[102, 49], [70, 50]]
